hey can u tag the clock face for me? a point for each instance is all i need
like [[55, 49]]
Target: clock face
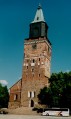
[[34, 46]]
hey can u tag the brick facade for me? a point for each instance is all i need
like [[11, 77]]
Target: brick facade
[[36, 69], [15, 95]]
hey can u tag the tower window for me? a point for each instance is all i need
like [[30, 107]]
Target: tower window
[[39, 75], [27, 67], [33, 61], [15, 97], [34, 93], [30, 94], [37, 18], [39, 59], [32, 70]]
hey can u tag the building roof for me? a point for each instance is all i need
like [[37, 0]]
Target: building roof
[[15, 83], [39, 15]]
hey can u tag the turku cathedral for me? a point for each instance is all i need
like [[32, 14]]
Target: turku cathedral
[[36, 65]]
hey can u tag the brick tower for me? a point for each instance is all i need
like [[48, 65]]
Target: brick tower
[[36, 65]]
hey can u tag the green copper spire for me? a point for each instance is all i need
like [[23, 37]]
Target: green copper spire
[[39, 15]]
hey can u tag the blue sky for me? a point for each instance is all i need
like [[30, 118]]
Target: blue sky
[[15, 17]]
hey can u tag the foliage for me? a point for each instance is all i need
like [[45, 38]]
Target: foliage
[[59, 92], [4, 96], [44, 96]]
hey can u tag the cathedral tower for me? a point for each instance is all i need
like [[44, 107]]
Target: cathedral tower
[[36, 65]]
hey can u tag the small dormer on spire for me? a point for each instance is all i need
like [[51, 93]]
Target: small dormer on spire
[[39, 15]]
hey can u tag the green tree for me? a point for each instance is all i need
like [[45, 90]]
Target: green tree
[[66, 97], [45, 96], [60, 85], [59, 92], [4, 96]]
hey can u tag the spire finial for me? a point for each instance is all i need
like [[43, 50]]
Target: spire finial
[[39, 6]]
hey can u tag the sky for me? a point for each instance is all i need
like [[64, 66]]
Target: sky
[[15, 17]]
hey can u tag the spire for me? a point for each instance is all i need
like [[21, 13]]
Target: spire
[[39, 15]]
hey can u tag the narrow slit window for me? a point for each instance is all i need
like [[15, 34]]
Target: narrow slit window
[[34, 93], [30, 94], [39, 75], [32, 70], [39, 59], [27, 67], [33, 61]]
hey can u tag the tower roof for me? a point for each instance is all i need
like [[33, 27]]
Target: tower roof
[[39, 15]]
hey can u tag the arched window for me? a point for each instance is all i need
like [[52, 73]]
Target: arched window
[[32, 103]]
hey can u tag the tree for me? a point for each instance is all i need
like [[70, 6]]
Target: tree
[[45, 96], [66, 97], [59, 92], [4, 96]]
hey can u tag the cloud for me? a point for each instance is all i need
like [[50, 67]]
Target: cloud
[[4, 82]]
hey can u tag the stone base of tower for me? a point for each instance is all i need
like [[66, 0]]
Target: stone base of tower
[[31, 102], [22, 111], [13, 105], [29, 93]]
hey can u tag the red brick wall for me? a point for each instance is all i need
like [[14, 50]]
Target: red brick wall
[[15, 95], [35, 77], [35, 74]]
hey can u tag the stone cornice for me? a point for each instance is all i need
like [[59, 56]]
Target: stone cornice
[[36, 41]]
